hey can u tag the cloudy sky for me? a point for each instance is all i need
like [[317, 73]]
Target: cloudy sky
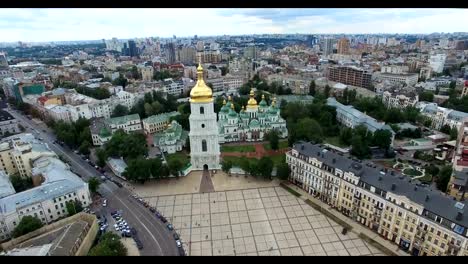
[[91, 24]]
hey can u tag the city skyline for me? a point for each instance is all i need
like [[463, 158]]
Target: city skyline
[[45, 25]]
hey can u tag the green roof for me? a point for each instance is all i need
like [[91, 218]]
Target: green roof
[[254, 123], [263, 103], [164, 117], [122, 119], [104, 132], [175, 132]]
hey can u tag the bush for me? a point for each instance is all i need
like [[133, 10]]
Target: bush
[[27, 225]]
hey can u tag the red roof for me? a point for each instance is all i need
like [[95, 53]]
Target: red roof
[[42, 99]]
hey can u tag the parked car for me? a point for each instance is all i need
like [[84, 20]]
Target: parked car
[[170, 227], [176, 236], [152, 210], [178, 243], [163, 219], [158, 215]]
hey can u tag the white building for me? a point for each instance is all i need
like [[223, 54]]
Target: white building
[[8, 124], [441, 116], [47, 202], [405, 78], [172, 87], [204, 141], [437, 62], [102, 129], [399, 99]]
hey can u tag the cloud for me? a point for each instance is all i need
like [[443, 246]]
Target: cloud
[[35, 25]]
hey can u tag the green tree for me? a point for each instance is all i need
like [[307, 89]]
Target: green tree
[[21, 184], [244, 164], [308, 129], [452, 84], [283, 171], [426, 96], [93, 184], [120, 110], [27, 224], [175, 166], [101, 157], [224, 70], [265, 167], [73, 207], [226, 165], [432, 170], [109, 245], [444, 178], [346, 135], [359, 147], [382, 138], [453, 133], [312, 88], [273, 138], [84, 148], [326, 91]]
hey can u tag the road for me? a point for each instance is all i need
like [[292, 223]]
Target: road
[[156, 239]]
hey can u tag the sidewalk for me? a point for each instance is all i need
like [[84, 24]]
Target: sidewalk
[[357, 228]]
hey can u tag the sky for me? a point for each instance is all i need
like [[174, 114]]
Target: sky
[[43, 25]]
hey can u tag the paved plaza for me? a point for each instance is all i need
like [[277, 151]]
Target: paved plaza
[[262, 221]]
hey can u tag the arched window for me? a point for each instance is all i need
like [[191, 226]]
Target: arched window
[[202, 110], [203, 146]]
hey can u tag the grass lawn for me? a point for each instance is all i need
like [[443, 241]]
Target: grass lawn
[[277, 159], [412, 172], [426, 179], [281, 145], [335, 141], [184, 158], [246, 148]]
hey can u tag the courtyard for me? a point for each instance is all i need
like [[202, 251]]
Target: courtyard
[[258, 221]]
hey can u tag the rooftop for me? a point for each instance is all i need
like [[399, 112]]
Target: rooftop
[[433, 201], [164, 117], [5, 116], [123, 119]]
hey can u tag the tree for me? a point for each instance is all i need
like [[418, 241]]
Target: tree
[[453, 133], [244, 164], [312, 88], [175, 166], [224, 70], [359, 147], [283, 171], [382, 138], [27, 224], [274, 139], [265, 167], [93, 184], [308, 129], [120, 110], [444, 177], [226, 165], [346, 135], [452, 84], [84, 148], [432, 170], [326, 91], [426, 96], [445, 129], [21, 184], [109, 245], [73, 207]]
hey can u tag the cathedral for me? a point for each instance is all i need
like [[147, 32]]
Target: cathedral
[[252, 123], [204, 136]]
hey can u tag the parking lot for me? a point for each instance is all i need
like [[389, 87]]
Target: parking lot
[[261, 221]]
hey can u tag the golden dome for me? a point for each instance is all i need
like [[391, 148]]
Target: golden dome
[[201, 93], [229, 98], [274, 102], [224, 102], [252, 103]]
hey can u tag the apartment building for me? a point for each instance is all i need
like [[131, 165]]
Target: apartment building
[[8, 124], [172, 87], [458, 184], [102, 129], [350, 75], [157, 123], [440, 116], [418, 219], [405, 78], [399, 99], [47, 202], [18, 152]]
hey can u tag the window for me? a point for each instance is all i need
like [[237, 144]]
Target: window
[[40, 212], [203, 126], [445, 236], [48, 210], [202, 110], [204, 147]]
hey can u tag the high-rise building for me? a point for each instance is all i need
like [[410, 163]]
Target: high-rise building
[[200, 46], [328, 46], [3, 61], [132, 49], [187, 55], [170, 51], [251, 52], [343, 46], [350, 76], [437, 62], [204, 135]]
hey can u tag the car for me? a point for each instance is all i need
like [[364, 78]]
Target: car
[[76, 151], [158, 215], [178, 243], [176, 236], [170, 227], [163, 219], [133, 231], [103, 178], [152, 210], [104, 204]]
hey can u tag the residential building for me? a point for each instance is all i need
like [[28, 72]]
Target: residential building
[[252, 123], [117, 166], [157, 123], [18, 152], [418, 219], [399, 99], [8, 124], [102, 129], [170, 51], [441, 116], [147, 73], [404, 78], [343, 46], [171, 139], [173, 87], [350, 76], [348, 116], [437, 62], [47, 201]]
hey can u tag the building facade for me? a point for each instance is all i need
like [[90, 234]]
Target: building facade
[[419, 220], [8, 124], [204, 136], [172, 139], [157, 123], [350, 76], [399, 99]]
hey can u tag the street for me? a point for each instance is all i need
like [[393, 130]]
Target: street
[[156, 239]]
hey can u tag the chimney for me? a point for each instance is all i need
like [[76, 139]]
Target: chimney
[[380, 178], [393, 186], [334, 160], [427, 197], [459, 216]]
